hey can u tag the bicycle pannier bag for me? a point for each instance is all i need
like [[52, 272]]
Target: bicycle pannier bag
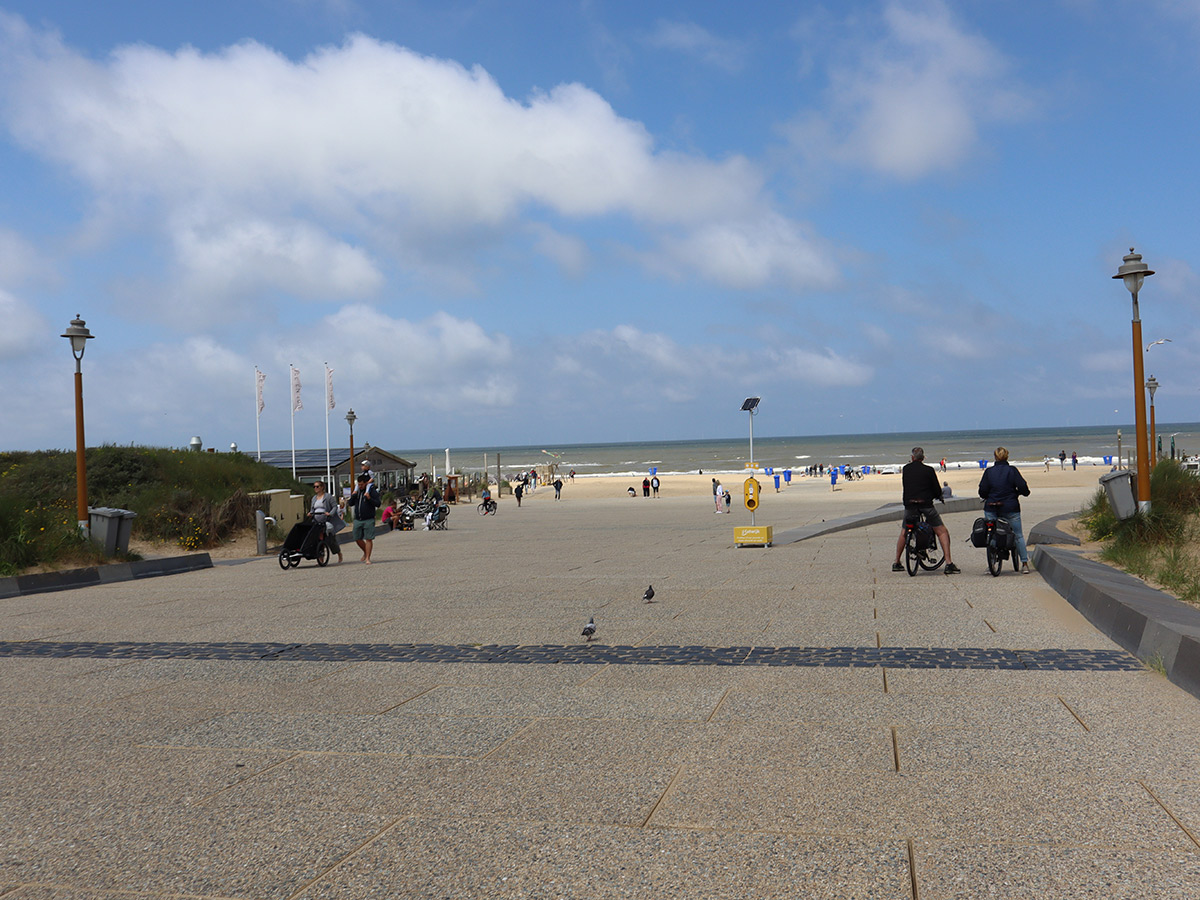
[[979, 533], [1005, 538], [924, 536]]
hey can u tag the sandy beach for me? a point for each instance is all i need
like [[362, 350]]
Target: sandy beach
[[963, 482]]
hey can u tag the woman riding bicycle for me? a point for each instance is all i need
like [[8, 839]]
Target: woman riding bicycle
[[1000, 487]]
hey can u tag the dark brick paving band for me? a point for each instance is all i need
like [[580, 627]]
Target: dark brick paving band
[[593, 654]]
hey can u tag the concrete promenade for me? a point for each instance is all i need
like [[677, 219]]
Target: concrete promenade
[[364, 735]]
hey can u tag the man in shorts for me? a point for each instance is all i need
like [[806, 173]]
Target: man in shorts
[[363, 502], [921, 487]]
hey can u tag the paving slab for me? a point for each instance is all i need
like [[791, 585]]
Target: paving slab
[[797, 721]]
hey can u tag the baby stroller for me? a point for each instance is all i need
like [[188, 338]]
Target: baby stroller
[[306, 540], [437, 517]]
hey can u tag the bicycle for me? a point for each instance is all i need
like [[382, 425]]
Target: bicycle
[[922, 549], [488, 507], [998, 552]]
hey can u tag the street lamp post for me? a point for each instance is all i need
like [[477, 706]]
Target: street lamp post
[[351, 418], [1152, 386], [1134, 273], [78, 334]]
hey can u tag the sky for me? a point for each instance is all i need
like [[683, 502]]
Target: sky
[[507, 223]]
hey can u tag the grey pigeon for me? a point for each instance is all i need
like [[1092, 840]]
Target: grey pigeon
[[649, 595], [590, 628]]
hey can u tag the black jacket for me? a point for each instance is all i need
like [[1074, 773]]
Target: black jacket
[[920, 484], [1000, 487], [364, 503]]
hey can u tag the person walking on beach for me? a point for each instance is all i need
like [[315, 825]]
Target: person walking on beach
[[728, 499], [1062, 459], [718, 494], [1001, 488], [364, 502], [654, 486], [1074, 461], [921, 487], [645, 487], [714, 481], [518, 491], [557, 488]]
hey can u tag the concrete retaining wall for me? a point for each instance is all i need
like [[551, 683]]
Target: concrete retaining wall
[[1145, 621]]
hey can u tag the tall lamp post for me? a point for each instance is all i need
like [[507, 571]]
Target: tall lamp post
[[1152, 386], [351, 418], [78, 334], [1134, 272]]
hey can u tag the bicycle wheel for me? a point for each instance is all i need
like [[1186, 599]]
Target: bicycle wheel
[[995, 559], [323, 554], [483, 510], [495, 506], [285, 562], [932, 558], [911, 553], [1016, 560]]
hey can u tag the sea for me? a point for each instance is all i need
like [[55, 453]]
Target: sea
[[1093, 445]]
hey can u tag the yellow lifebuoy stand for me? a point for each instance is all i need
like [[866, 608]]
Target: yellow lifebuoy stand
[[752, 535]]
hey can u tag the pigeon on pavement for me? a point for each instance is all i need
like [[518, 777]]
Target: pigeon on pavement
[[590, 628], [649, 595]]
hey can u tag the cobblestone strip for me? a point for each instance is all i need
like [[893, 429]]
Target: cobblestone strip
[[595, 654]]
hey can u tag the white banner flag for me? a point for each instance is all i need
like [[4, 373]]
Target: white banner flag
[[259, 378], [329, 386], [296, 404]]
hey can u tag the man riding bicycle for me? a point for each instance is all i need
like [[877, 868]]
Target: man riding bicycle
[[920, 488]]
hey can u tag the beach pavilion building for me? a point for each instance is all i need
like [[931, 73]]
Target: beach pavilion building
[[392, 472]]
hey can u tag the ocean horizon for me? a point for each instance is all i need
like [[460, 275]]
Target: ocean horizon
[[1093, 445]]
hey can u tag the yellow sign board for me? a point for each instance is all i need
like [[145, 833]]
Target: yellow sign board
[[753, 535]]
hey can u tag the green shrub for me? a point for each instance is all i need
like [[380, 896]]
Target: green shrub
[[193, 499]]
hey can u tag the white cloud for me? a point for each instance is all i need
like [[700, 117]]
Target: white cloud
[[823, 369], [913, 102], [20, 261], [752, 254], [370, 140], [242, 258], [694, 40], [23, 328], [570, 253]]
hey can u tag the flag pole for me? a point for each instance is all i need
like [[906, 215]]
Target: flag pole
[[258, 406], [328, 407], [295, 379]]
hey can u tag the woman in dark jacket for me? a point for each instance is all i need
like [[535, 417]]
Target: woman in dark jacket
[[1001, 487]]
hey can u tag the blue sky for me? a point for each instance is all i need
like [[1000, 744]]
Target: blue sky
[[508, 223]]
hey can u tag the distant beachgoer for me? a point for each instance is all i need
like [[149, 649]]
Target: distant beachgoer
[[518, 492], [943, 464], [728, 499], [1046, 460], [1062, 459], [1074, 461], [718, 493], [645, 487], [947, 491], [572, 476], [654, 483], [632, 491], [557, 488]]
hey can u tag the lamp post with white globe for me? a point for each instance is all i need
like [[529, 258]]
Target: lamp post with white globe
[[1134, 273], [78, 334]]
